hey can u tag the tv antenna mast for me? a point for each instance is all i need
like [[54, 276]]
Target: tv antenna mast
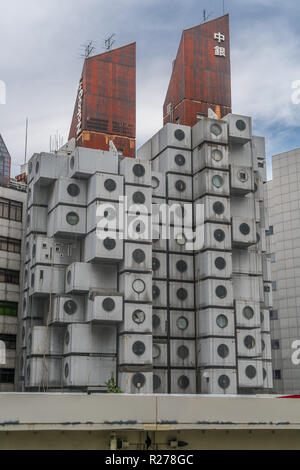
[[87, 49], [223, 7], [109, 42], [206, 15]]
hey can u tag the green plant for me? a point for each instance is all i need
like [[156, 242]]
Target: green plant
[[112, 386]]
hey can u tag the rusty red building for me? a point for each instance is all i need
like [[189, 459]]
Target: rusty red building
[[201, 74], [105, 108]]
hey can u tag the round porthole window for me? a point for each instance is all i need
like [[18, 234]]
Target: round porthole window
[[217, 181], [138, 380], [217, 155], [222, 321], [179, 134], [180, 239], [221, 292], [182, 294], [155, 321], [139, 256], [156, 351], [241, 125], [138, 286], [180, 160], [109, 244], [67, 338], [216, 130], [156, 382], [72, 163], [219, 235], [155, 182], [155, 264], [108, 304], [218, 208], [250, 372], [138, 317], [139, 198], [72, 218], [243, 176], [183, 382], [110, 185], [248, 312], [249, 342], [73, 190], [37, 167], [244, 229], [139, 227], [182, 323], [224, 382], [69, 277], [138, 348], [181, 266], [70, 307], [223, 350], [110, 213], [220, 263], [66, 370], [183, 352], [155, 292], [180, 186], [138, 171]]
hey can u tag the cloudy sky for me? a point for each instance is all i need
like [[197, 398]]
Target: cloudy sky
[[40, 63]]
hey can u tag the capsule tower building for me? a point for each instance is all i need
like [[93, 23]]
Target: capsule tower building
[[155, 312]]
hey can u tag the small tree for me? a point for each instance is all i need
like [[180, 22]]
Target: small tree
[[112, 386]]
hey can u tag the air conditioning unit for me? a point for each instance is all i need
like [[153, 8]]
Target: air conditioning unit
[[182, 353], [136, 287], [174, 160], [83, 277], [36, 220], [88, 371], [181, 267], [135, 171], [159, 322], [215, 322], [105, 186], [160, 381], [135, 349], [183, 381], [44, 340], [182, 324], [158, 183], [246, 287], [211, 156], [213, 182], [90, 339], [265, 320], [179, 187], [249, 343], [246, 262], [104, 309], [268, 295], [243, 232], [239, 128], [262, 169], [267, 375], [241, 154], [216, 209], [216, 352], [67, 309], [45, 280], [159, 293], [209, 130], [104, 215], [136, 382], [247, 314], [85, 162], [266, 346], [67, 191], [181, 295], [136, 319], [45, 250], [171, 135], [103, 246], [217, 236], [241, 180], [160, 353], [213, 264], [214, 293], [67, 221], [218, 381], [137, 199], [43, 372], [159, 265], [250, 373]]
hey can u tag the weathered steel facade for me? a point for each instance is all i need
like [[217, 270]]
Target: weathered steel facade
[[106, 102], [201, 74]]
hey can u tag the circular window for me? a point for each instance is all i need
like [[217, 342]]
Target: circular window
[[110, 213], [138, 286], [138, 380], [180, 186], [264, 373], [180, 160], [183, 382], [69, 277], [221, 292], [72, 218], [110, 185], [249, 342], [109, 244], [180, 239], [66, 370], [179, 134], [182, 294], [219, 235], [155, 292], [224, 381], [217, 155], [108, 304], [32, 279], [156, 351], [138, 317], [139, 256], [156, 382], [244, 229], [181, 266], [250, 372], [223, 350], [138, 171], [155, 182], [222, 321], [139, 198], [243, 176], [220, 263], [182, 323], [248, 312], [155, 264], [73, 190], [72, 163], [70, 307], [139, 227], [241, 125], [37, 167], [183, 352], [138, 348], [217, 181], [215, 129], [263, 345], [67, 337], [155, 321], [218, 208]]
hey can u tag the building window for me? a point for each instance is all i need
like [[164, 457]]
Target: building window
[[9, 277], [11, 210], [8, 308], [10, 245], [277, 374], [7, 376], [9, 340], [275, 344], [274, 286], [270, 231], [273, 314]]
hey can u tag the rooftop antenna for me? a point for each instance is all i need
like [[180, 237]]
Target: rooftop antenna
[[26, 140], [206, 16], [87, 49], [109, 42], [223, 7]]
